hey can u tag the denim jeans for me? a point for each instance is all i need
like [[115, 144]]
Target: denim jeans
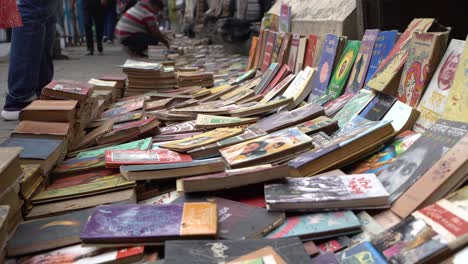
[[31, 66], [110, 17]]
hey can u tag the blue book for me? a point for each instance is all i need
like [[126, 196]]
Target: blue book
[[363, 252], [383, 45], [325, 67], [31, 149]]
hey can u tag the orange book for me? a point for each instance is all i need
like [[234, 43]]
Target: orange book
[[50, 111], [252, 53]]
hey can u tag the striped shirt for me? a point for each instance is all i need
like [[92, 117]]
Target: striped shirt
[[139, 18]]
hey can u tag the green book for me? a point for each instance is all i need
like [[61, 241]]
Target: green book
[[343, 68], [142, 144]]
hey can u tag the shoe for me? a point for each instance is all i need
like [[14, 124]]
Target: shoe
[[10, 115], [90, 53], [99, 48]]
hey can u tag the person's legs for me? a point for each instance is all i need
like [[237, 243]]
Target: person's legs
[[98, 18], [88, 24], [139, 42], [111, 18]]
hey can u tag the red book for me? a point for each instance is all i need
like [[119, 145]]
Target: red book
[[283, 72], [293, 50], [116, 158], [310, 52], [268, 51], [284, 50]]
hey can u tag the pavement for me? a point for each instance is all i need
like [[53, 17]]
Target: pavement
[[79, 67]]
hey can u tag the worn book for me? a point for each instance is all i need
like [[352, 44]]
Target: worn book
[[174, 170], [282, 73], [378, 107], [316, 226], [143, 224], [435, 98], [49, 233], [91, 138], [283, 54], [284, 24], [327, 192], [50, 152], [388, 74], [353, 107], [311, 51], [328, 258], [444, 176], [117, 158], [75, 165], [402, 116], [354, 144], [183, 127], [293, 51], [266, 149], [267, 77], [142, 144], [370, 228], [300, 54], [252, 52], [271, 39], [425, 52], [126, 108], [10, 170], [52, 130], [237, 220], [358, 73], [383, 44], [212, 121], [362, 250], [50, 111], [202, 139], [300, 88], [380, 160], [422, 155], [216, 251], [260, 108], [263, 255], [68, 90], [319, 124], [457, 104], [278, 89], [232, 178], [343, 68]]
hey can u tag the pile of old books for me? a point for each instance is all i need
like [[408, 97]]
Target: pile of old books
[[347, 162], [144, 77]]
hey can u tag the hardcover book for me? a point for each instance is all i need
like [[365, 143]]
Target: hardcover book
[[423, 56], [378, 107], [416, 160], [141, 224], [54, 130], [68, 90], [79, 165], [358, 73], [326, 192], [237, 220], [266, 148], [343, 68], [436, 96], [383, 44], [364, 251], [353, 107], [318, 225], [216, 251], [50, 111], [388, 74], [117, 158]]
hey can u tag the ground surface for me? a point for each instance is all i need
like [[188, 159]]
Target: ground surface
[[79, 67]]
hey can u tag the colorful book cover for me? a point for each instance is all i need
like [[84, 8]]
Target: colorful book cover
[[358, 73], [268, 50], [323, 189], [317, 225], [276, 47], [392, 64], [283, 55], [238, 220], [343, 68], [123, 109], [80, 164], [285, 18], [456, 107], [265, 146], [214, 121], [353, 107], [116, 158], [281, 86], [310, 51], [202, 139], [379, 161], [267, 77], [383, 45], [168, 166], [335, 244], [398, 176], [301, 50], [328, 258], [69, 86], [315, 125], [283, 72], [253, 48], [149, 223], [261, 256], [293, 50], [363, 252], [142, 144], [335, 105], [325, 66], [370, 228], [183, 127], [436, 96], [419, 66], [30, 146], [378, 107]]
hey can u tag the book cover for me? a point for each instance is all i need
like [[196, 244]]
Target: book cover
[[116, 158], [216, 251], [418, 158], [268, 51], [267, 77], [353, 107], [213, 121], [436, 95], [142, 144], [42, 128], [335, 105], [258, 52], [263, 255], [363, 252], [262, 147], [299, 88], [237, 220], [80, 164], [300, 54], [343, 68], [423, 57], [130, 107], [325, 67], [67, 86], [335, 244], [320, 190], [318, 124], [378, 107], [149, 223], [328, 258], [317, 225], [285, 18], [358, 73], [283, 55], [183, 127], [310, 51], [401, 115], [379, 161], [277, 47], [168, 166], [47, 233], [383, 44], [293, 50], [202, 139], [30, 149], [389, 69], [280, 87], [370, 228], [457, 104], [253, 48], [283, 72]]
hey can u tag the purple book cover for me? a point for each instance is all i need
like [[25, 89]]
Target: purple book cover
[[325, 66], [133, 222], [358, 74]]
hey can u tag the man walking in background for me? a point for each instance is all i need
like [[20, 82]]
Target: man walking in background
[[93, 11]]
